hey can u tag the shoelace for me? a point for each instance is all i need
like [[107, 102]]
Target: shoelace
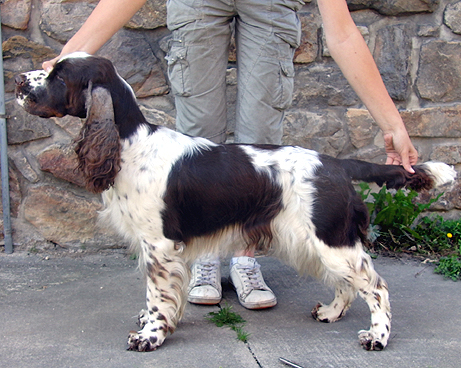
[[251, 277], [206, 273]]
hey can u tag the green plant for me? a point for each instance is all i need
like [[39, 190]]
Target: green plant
[[439, 236], [393, 215], [450, 266], [241, 334], [226, 317], [393, 210], [395, 225]]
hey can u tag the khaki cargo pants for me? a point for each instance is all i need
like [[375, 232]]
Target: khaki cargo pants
[[266, 33]]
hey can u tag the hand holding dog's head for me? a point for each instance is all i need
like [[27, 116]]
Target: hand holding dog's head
[[79, 88], [62, 91]]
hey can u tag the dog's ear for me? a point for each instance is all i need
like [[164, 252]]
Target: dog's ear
[[98, 145]]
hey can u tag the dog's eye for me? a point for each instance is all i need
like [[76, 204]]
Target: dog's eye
[[60, 79]]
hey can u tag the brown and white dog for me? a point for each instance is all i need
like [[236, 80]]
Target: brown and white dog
[[175, 197]]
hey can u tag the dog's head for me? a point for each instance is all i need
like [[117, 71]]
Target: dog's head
[[84, 86], [64, 91]]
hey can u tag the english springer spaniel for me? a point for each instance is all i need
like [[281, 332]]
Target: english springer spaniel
[[175, 197]]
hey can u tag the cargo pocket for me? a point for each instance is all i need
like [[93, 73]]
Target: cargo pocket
[[283, 94], [182, 12], [179, 71]]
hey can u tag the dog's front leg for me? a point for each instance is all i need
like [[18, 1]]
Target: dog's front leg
[[167, 279], [344, 296]]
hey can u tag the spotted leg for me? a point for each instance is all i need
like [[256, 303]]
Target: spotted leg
[[377, 297], [344, 296], [167, 279], [353, 272]]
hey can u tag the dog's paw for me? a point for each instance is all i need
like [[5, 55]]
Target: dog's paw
[[137, 341], [317, 315], [327, 313], [370, 341], [143, 318]]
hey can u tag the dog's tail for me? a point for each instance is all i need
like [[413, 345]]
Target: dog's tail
[[427, 175]]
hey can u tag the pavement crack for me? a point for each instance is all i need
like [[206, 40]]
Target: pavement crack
[[254, 355]]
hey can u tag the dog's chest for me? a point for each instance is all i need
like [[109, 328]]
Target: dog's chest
[[135, 202]]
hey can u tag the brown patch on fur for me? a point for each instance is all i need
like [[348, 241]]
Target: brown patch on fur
[[98, 145]]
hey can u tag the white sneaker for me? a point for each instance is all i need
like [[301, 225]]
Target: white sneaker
[[205, 283], [247, 279]]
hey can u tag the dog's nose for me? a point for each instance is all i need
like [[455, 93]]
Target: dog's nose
[[20, 79]]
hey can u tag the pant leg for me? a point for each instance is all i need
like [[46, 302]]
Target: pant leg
[[197, 63], [267, 33]]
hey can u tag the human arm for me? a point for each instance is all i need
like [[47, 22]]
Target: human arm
[[105, 20], [349, 50]]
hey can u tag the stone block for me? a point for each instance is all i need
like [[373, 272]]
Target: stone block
[[136, 63], [22, 55], [450, 153], [23, 127], [23, 165], [70, 124], [392, 54], [152, 15], [373, 154], [439, 73], [452, 17], [63, 217], [450, 199], [395, 7], [60, 20], [16, 13], [322, 132], [62, 162], [158, 117], [322, 85], [432, 122], [308, 50], [454, 195], [428, 30], [361, 126]]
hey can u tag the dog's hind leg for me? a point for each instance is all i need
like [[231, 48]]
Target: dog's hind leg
[[167, 279], [377, 297], [352, 271]]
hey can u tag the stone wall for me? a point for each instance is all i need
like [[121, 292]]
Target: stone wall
[[416, 44]]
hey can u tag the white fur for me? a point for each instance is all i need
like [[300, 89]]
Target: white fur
[[442, 173], [36, 79], [134, 207], [75, 55]]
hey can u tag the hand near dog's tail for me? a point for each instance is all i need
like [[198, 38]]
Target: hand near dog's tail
[[400, 151], [426, 176]]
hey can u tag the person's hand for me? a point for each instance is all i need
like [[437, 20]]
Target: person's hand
[[400, 150], [49, 65]]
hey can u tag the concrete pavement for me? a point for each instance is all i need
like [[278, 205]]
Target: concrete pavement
[[77, 312]]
